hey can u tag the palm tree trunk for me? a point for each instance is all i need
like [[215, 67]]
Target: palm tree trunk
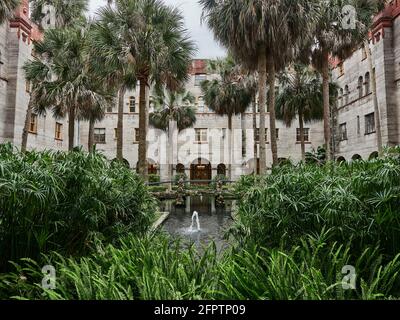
[[71, 128], [302, 142], [230, 146], [170, 150], [120, 124], [262, 93], [255, 128], [143, 124], [91, 136], [326, 102], [375, 97], [25, 131], [271, 109]]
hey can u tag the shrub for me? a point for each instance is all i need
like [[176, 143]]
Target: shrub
[[180, 176], [63, 201], [160, 268], [154, 178], [359, 201]]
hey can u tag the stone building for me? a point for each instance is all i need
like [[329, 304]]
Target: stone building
[[202, 151], [356, 136], [16, 38]]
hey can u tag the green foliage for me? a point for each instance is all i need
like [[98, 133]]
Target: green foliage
[[180, 176], [7, 8], [153, 178], [219, 177], [316, 157], [159, 268], [359, 202], [64, 201]]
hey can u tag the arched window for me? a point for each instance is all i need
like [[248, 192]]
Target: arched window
[[221, 169], [360, 87], [367, 83], [346, 95]]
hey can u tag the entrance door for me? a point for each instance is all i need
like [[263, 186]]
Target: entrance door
[[200, 170]]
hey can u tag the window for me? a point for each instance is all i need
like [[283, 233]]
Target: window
[[200, 104], [100, 135], [115, 133], [358, 125], [244, 144], [346, 95], [343, 132], [370, 123], [110, 109], [132, 104], [201, 135], [257, 135], [306, 135], [360, 87], [136, 135], [58, 132], [341, 69], [199, 78], [367, 83], [33, 123], [277, 134]]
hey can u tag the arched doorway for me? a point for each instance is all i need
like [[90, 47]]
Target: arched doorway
[[341, 160], [200, 169], [356, 157], [373, 155], [221, 169]]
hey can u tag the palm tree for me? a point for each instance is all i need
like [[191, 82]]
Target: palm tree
[[300, 97], [61, 79], [7, 8], [66, 12], [261, 35], [155, 47], [333, 37], [230, 95], [173, 111]]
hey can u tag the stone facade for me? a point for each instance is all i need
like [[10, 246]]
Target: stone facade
[[355, 133], [214, 150], [16, 38], [354, 128]]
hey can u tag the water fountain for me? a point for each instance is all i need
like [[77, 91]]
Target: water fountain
[[195, 217]]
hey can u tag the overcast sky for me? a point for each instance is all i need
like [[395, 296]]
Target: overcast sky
[[207, 46]]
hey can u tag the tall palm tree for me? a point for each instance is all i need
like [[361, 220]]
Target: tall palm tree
[[228, 96], [155, 46], [300, 97], [261, 34], [7, 8], [173, 111], [66, 85], [334, 35], [66, 12]]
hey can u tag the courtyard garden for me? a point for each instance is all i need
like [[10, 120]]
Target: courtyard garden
[[293, 233]]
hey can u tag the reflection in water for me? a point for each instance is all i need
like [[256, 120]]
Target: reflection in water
[[213, 221]]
